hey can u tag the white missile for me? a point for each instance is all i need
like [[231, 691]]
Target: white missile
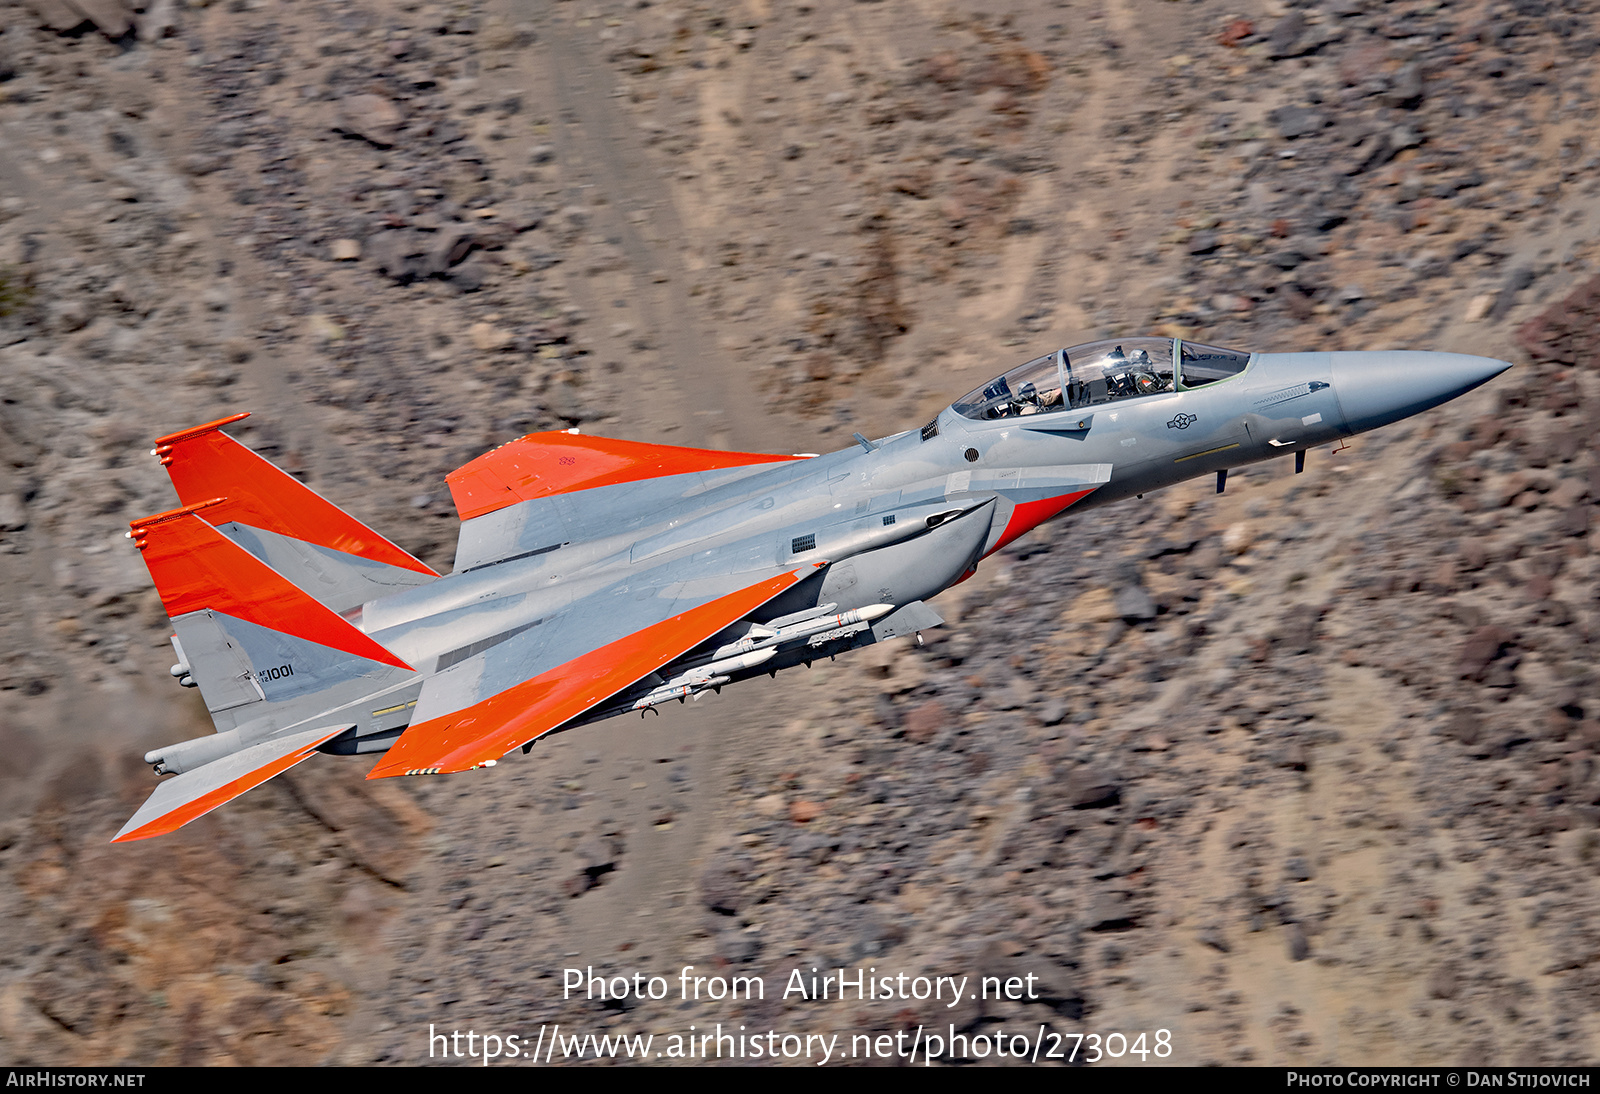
[[769, 637], [794, 617], [736, 663], [705, 676], [682, 691]]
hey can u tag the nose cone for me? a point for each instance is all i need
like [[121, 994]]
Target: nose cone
[[1375, 389]]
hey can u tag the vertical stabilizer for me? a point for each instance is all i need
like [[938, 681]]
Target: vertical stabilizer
[[264, 653], [205, 463], [195, 567]]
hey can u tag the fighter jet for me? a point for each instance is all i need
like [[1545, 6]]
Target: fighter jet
[[598, 577]]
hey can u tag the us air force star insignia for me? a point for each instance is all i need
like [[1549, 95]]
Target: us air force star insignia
[[1183, 421]]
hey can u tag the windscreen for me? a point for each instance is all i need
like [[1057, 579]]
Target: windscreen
[[1101, 372], [1079, 376]]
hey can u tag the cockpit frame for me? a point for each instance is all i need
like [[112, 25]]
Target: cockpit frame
[[1096, 373]]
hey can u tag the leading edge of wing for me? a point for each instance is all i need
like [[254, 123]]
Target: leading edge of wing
[[541, 464], [487, 730]]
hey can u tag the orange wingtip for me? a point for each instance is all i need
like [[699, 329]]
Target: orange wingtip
[[488, 730], [185, 434], [541, 464]]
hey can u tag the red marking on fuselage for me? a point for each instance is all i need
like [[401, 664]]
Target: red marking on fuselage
[[1028, 515]]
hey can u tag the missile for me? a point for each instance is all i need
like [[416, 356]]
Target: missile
[[714, 674], [796, 617], [770, 637], [760, 644]]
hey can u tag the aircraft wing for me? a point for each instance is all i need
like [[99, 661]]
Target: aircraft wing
[[537, 491], [549, 672]]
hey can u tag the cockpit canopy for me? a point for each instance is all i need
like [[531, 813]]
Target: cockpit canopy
[[1101, 372]]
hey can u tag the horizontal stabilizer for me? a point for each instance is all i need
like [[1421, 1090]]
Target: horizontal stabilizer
[[542, 464], [488, 729], [206, 463], [196, 567], [182, 798]]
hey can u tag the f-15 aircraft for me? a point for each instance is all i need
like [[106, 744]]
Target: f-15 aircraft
[[598, 577]]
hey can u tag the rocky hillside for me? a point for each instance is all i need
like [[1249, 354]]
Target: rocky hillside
[[1303, 773]]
